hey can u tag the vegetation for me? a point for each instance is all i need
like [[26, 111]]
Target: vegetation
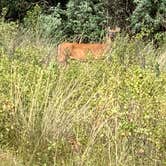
[[99, 112], [108, 111], [76, 19]]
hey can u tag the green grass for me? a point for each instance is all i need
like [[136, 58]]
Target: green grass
[[105, 112]]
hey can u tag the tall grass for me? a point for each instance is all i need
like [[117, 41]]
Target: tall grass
[[8, 159], [105, 112]]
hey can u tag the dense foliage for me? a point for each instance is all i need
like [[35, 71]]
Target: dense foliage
[[119, 12], [90, 113], [86, 20], [150, 15], [81, 22], [110, 111]]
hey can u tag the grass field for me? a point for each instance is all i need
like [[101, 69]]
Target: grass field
[[105, 112]]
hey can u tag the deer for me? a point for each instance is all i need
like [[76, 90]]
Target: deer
[[80, 51]]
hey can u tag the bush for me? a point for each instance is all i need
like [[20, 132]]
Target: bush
[[8, 34], [76, 115], [149, 15], [131, 52], [52, 25], [83, 21], [86, 20], [89, 113]]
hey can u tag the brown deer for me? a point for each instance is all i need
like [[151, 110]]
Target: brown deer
[[80, 51]]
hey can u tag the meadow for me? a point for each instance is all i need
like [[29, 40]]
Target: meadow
[[99, 112]]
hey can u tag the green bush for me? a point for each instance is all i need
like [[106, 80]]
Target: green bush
[[134, 51], [75, 116], [52, 25], [8, 34], [86, 20], [149, 15], [31, 19], [83, 21]]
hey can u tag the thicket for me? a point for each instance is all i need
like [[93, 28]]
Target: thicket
[[87, 20], [104, 112], [109, 111]]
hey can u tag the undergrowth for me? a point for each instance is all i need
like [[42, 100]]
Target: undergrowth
[[104, 112]]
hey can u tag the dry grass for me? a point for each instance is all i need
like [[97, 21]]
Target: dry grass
[[94, 113]]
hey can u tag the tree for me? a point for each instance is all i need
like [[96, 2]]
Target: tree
[[16, 9], [119, 12], [86, 20], [150, 14], [81, 21]]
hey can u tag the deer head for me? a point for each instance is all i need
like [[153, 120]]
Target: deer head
[[111, 33]]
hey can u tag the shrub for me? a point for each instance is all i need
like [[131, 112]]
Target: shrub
[[149, 15], [52, 25], [76, 116], [8, 34], [89, 113], [131, 52], [86, 20], [81, 21]]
